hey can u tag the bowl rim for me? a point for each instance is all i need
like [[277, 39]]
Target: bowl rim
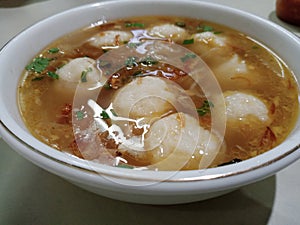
[[209, 174]]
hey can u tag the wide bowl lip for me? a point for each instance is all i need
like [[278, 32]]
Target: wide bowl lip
[[244, 167]]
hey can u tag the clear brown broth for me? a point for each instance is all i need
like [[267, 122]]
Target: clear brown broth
[[46, 112]]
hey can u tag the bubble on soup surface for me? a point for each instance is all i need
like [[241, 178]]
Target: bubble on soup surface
[[111, 37], [178, 140], [168, 31]]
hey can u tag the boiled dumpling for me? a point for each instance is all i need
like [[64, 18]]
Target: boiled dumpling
[[73, 70], [211, 39], [168, 31], [178, 140], [110, 38], [148, 97], [213, 48], [241, 105], [234, 70], [80, 72], [233, 66], [248, 121]]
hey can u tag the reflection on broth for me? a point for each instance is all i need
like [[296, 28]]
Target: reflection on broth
[[151, 113]]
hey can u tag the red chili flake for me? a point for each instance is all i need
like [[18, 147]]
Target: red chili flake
[[74, 148], [268, 138], [65, 116]]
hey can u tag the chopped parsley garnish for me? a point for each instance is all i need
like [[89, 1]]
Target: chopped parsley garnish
[[131, 61], [53, 75], [38, 65], [126, 166], [53, 50], [80, 115], [104, 114], [84, 74], [255, 47], [188, 41], [149, 61], [133, 45], [38, 78], [204, 28], [218, 32], [107, 86], [205, 108], [180, 24], [187, 56], [139, 25]]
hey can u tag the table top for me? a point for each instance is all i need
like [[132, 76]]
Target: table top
[[30, 195]]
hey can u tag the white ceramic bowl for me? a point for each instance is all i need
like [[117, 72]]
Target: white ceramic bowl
[[132, 185]]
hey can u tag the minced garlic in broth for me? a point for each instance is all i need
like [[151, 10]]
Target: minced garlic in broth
[[240, 64]]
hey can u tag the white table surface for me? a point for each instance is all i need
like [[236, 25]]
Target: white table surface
[[30, 195]]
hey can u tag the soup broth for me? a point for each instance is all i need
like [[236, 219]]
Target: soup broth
[[260, 95]]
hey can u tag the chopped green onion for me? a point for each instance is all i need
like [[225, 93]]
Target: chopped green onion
[[84, 74], [188, 41], [131, 61], [53, 50], [104, 114], [218, 32], [208, 28], [133, 45], [204, 28], [53, 75], [38, 78], [80, 115], [38, 65], [180, 24], [125, 166], [187, 56], [149, 61], [140, 25], [205, 108], [107, 86]]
